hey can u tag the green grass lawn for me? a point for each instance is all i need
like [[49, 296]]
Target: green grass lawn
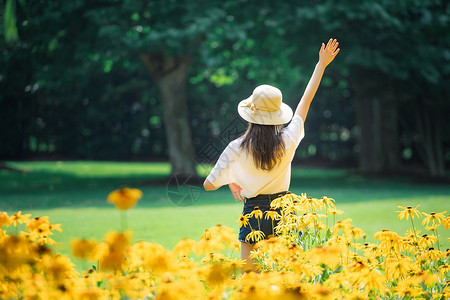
[[74, 195]]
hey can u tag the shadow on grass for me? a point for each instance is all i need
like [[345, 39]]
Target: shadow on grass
[[52, 187]]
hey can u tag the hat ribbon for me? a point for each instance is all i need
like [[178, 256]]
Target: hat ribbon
[[254, 108]]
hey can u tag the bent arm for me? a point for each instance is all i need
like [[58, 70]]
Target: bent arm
[[209, 186], [326, 56]]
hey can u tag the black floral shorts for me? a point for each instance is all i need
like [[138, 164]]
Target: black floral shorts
[[257, 217]]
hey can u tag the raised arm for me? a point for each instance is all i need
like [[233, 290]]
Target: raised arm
[[326, 55]]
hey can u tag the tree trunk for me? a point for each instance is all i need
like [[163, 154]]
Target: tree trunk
[[367, 137], [376, 115], [170, 74], [430, 139]]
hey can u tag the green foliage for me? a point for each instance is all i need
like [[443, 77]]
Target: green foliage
[[9, 22], [74, 85]]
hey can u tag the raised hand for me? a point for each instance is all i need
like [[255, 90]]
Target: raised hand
[[236, 189], [328, 53]]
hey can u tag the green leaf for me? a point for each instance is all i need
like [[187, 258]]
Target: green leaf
[[9, 25]]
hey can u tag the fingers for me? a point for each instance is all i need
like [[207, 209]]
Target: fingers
[[237, 196], [335, 44], [336, 52], [322, 48], [240, 197], [332, 45]]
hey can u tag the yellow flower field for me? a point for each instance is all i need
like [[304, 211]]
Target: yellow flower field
[[310, 256]]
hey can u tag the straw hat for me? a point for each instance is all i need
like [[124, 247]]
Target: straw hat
[[265, 107]]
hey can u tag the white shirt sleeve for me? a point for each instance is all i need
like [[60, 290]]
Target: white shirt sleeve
[[295, 130], [221, 174]]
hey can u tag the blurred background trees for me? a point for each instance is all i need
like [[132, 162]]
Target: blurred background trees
[[157, 80]]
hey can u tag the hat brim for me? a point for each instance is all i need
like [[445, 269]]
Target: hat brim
[[279, 117]]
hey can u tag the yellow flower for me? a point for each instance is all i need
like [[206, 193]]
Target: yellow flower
[[257, 213], [111, 253], [5, 220], [236, 247], [422, 277], [19, 218], [255, 235], [385, 234], [279, 202], [117, 240], [388, 238], [112, 260], [206, 235], [39, 226], [328, 202], [426, 240], [345, 225], [216, 273], [433, 227], [374, 280], [444, 269], [184, 247], [329, 256], [446, 253], [15, 251], [431, 254], [335, 211], [356, 233], [397, 267], [208, 243], [407, 291], [243, 221], [56, 227], [92, 293], [223, 234], [44, 239], [311, 203], [58, 267], [413, 235], [435, 218], [446, 222], [82, 248], [169, 288], [213, 258], [272, 214], [408, 212], [124, 198]]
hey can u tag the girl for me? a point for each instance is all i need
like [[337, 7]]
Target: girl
[[257, 166]]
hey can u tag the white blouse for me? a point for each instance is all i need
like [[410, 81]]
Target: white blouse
[[236, 165]]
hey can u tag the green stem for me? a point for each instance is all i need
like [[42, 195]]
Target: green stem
[[414, 229], [273, 229], [309, 240], [123, 220], [437, 239]]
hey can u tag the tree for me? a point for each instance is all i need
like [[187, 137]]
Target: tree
[[103, 64], [388, 46]]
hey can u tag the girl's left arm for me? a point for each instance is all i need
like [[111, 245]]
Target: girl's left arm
[[236, 189], [209, 186]]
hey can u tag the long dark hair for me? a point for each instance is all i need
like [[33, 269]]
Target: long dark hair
[[265, 144]]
